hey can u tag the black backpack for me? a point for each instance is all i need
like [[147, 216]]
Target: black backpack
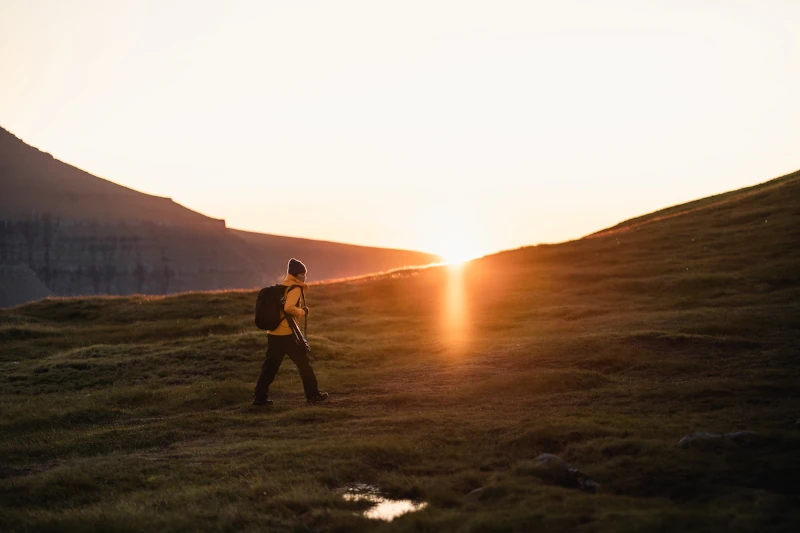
[[269, 306]]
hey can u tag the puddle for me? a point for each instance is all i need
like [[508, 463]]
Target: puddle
[[383, 508]]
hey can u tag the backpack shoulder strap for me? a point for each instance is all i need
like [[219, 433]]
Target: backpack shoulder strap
[[303, 298], [290, 287]]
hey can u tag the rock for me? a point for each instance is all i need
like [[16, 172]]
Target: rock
[[556, 470], [702, 438], [475, 494], [552, 461], [697, 437], [742, 438]]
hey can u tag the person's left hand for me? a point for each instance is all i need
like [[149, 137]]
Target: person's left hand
[[306, 310]]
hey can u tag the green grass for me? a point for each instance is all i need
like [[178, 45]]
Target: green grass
[[132, 413]]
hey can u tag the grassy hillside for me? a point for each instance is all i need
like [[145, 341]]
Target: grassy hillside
[[132, 413]]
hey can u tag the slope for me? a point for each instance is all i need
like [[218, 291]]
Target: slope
[[34, 183], [328, 260], [605, 351], [764, 191], [80, 234]]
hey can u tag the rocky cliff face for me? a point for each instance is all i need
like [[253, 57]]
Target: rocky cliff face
[[89, 257], [80, 234], [18, 284]]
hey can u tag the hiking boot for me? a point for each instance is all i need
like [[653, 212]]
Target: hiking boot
[[262, 401], [320, 397]]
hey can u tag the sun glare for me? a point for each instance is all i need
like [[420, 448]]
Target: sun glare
[[455, 316], [456, 255]]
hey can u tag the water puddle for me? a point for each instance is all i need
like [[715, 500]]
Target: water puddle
[[383, 508]]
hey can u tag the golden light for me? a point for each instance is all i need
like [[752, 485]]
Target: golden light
[[457, 256], [456, 322], [454, 233], [457, 249], [455, 317]]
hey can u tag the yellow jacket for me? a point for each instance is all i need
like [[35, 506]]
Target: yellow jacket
[[292, 306]]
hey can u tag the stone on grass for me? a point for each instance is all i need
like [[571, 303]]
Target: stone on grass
[[475, 494], [699, 439], [742, 438], [556, 470]]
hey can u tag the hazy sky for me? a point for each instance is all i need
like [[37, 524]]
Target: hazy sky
[[432, 125]]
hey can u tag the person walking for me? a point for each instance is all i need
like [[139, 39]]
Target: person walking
[[281, 341]]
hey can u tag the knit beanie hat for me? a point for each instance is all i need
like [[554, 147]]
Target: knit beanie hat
[[296, 267]]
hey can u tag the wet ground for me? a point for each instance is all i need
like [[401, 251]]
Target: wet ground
[[383, 508]]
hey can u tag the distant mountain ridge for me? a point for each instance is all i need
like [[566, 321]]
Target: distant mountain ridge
[[80, 234], [35, 183]]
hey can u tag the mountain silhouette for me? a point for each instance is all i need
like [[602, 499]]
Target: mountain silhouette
[[64, 231]]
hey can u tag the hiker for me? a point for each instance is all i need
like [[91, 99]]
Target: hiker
[[282, 341]]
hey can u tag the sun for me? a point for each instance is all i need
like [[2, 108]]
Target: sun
[[454, 236], [455, 253]]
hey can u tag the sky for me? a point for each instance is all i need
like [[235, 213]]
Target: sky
[[454, 127]]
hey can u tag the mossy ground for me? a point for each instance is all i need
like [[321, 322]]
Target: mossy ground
[[132, 413]]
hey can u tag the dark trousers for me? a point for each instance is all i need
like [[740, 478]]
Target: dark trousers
[[277, 347]]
